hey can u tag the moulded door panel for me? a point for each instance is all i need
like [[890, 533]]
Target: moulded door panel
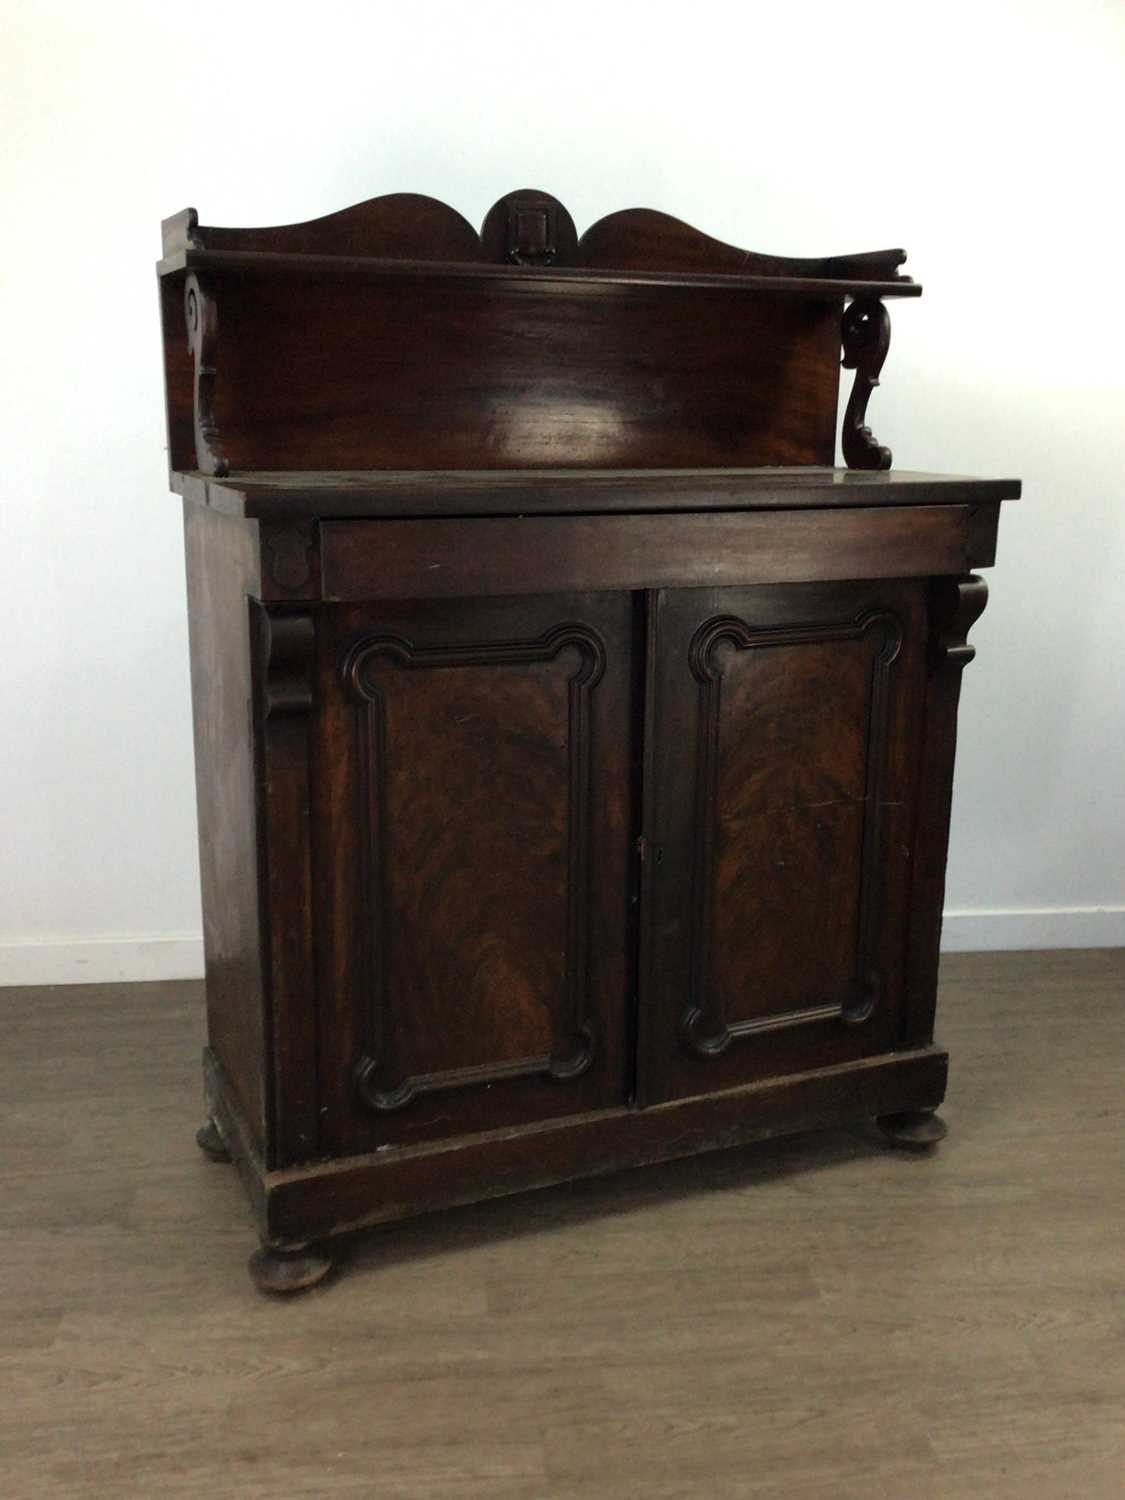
[[473, 781], [782, 759]]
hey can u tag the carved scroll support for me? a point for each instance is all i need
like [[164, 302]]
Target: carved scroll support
[[202, 317], [956, 605], [866, 332]]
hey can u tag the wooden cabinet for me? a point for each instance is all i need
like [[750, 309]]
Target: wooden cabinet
[[574, 741]]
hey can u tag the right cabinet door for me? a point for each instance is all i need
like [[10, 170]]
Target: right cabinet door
[[783, 740]]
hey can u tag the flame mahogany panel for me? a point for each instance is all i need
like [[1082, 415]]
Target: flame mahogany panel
[[474, 808], [783, 783]]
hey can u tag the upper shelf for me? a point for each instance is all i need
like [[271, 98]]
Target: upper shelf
[[392, 335], [527, 237]]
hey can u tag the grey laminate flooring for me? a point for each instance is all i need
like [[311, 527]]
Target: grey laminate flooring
[[813, 1319]]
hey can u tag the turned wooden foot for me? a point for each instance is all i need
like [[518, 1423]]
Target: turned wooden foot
[[293, 1269], [211, 1143], [913, 1129]]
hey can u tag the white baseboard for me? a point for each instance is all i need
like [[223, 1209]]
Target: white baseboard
[[101, 960], [180, 955], [1033, 927]]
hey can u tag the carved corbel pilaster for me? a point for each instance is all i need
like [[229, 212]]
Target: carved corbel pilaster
[[285, 674], [202, 317], [954, 606], [866, 334], [288, 655]]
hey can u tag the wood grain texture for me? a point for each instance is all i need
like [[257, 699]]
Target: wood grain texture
[[645, 342], [446, 731], [408, 559], [610, 378], [284, 651], [640, 1334], [474, 813], [780, 841], [288, 497], [580, 838], [412, 226], [222, 570]]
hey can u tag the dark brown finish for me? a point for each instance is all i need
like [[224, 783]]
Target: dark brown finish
[[289, 498], [954, 605], [574, 741], [614, 382], [406, 559], [210, 1141], [913, 1129], [290, 559], [285, 675], [783, 780], [202, 316], [401, 287], [403, 228], [397, 1182], [223, 572], [283, 1272], [475, 825], [867, 337]]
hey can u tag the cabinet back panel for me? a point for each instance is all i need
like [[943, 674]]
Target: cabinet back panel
[[416, 372]]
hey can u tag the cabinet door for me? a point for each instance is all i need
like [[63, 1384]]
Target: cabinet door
[[782, 755], [473, 780]]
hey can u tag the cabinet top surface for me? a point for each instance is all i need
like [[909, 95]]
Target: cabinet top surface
[[436, 492]]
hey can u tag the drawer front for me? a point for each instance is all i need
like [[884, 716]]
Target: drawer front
[[783, 731], [473, 781], [400, 559]]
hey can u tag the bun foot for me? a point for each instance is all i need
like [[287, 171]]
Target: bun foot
[[294, 1269], [211, 1143], [913, 1129]]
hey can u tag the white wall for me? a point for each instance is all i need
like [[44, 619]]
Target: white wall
[[985, 137]]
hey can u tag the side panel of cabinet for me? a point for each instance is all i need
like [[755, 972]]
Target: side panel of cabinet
[[783, 750], [474, 788]]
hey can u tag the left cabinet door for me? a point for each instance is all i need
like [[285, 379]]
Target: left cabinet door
[[473, 819]]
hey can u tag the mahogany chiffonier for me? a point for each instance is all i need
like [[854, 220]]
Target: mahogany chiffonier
[[574, 740]]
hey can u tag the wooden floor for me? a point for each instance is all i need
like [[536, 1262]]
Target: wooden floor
[[813, 1319]]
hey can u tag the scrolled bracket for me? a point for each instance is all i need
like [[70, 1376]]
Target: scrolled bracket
[[202, 317], [956, 605], [866, 335], [288, 654]]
